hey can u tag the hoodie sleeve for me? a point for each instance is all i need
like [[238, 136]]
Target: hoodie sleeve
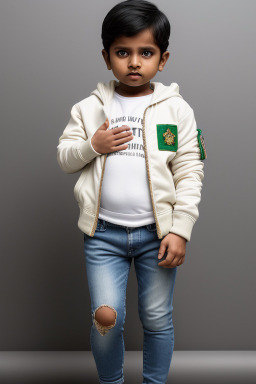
[[187, 168], [75, 149]]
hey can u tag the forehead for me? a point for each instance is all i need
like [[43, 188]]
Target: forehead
[[141, 39]]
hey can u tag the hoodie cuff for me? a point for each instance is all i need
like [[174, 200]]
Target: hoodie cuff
[[93, 148], [87, 151], [182, 225]]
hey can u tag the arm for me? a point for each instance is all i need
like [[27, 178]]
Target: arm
[[187, 168], [75, 150]]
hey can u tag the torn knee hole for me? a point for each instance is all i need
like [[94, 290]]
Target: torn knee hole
[[104, 318]]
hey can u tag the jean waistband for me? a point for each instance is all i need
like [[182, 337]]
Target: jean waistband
[[109, 224]]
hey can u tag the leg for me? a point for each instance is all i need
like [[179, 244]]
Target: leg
[[107, 269], [155, 298]]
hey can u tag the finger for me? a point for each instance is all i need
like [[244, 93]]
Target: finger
[[119, 148], [105, 125], [122, 134], [174, 262], [168, 260], [123, 139], [162, 250], [181, 261], [120, 129]]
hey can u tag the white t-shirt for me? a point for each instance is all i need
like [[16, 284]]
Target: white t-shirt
[[125, 196]]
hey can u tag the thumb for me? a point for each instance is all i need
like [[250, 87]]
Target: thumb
[[105, 125], [161, 251]]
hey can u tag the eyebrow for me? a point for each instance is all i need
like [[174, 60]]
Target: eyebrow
[[123, 47]]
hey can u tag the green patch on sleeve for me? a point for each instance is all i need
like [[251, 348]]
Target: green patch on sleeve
[[201, 143]]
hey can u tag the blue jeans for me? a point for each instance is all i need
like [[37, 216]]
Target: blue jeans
[[108, 258]]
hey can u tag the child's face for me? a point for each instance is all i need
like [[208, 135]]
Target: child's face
[[137, 53]]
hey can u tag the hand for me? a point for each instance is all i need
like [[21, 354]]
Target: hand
[[176, 249], [106, 141]]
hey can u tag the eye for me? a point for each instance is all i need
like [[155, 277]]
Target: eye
[[118, 52], [148, 52]]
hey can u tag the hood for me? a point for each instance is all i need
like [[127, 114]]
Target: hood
[[105, 92]]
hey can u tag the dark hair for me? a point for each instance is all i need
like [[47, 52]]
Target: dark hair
[[131, 17]]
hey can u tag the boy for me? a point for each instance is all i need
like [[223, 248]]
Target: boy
[[142, 137]]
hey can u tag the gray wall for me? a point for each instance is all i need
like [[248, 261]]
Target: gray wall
[[51, 59]]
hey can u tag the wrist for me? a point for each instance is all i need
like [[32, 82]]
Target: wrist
[[179, 236], [94, 147]]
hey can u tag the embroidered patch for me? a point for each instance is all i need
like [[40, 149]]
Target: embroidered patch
[[167, 137], [201, 143]]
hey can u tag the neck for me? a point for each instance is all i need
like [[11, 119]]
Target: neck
[[142, 90]]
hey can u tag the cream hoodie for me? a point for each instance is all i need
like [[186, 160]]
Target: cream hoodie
[[172, 154]]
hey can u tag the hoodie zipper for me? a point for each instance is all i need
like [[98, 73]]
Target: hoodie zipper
[[159, 234], [99, 197]]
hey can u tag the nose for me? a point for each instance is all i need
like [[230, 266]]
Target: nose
[[134, 61]]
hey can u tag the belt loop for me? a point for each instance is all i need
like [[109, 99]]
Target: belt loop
[[104, 223]]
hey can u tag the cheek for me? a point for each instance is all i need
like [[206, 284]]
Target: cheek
[[119, 64], [153, 66]]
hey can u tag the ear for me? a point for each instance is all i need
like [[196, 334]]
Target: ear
[[106, 58], [163, 60]]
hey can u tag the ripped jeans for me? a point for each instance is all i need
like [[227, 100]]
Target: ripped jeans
[[108, 258]]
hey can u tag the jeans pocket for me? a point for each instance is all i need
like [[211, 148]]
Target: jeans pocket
[[151, 227]]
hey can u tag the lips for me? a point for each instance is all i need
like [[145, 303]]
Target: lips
[[134, 74]]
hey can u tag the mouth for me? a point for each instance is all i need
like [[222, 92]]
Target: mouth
[[134, 75]]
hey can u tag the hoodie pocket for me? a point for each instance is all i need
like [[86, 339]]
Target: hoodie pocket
[[79, 183]]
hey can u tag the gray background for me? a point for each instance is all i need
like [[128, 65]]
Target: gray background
[[51, 59]]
